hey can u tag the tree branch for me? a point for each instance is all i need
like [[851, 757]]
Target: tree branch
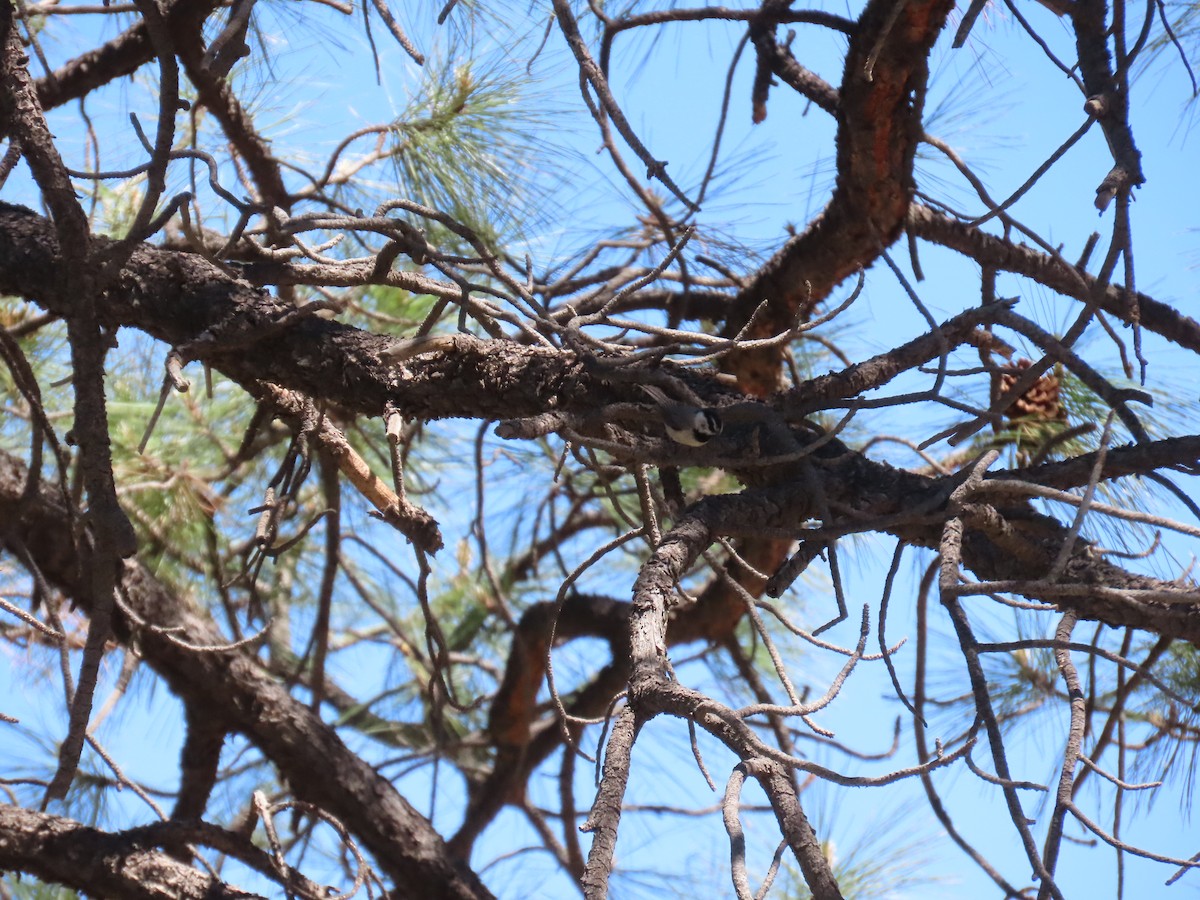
[[233, 688], [117, 866]]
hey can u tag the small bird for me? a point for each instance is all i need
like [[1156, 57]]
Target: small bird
[[686, 424]]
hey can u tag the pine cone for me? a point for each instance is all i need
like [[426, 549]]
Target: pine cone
[[1040, 401]]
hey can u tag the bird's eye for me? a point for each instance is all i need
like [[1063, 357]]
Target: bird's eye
[[709, 423]]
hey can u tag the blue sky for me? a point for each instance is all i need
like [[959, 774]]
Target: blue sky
[[1007, 109]]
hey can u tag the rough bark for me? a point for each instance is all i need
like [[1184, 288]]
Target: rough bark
[[232, 688]]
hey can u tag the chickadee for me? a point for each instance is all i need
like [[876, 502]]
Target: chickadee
[[685, 424]]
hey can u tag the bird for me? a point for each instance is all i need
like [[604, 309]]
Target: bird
[[686, 424]]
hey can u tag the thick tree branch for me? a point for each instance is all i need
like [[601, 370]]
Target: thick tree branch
[[179, 297], [651, 692], [121, 56], [74, 280], [879, 127], [116, 866], [234, 690], [185, 301], [217, 95], [989, 250]]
